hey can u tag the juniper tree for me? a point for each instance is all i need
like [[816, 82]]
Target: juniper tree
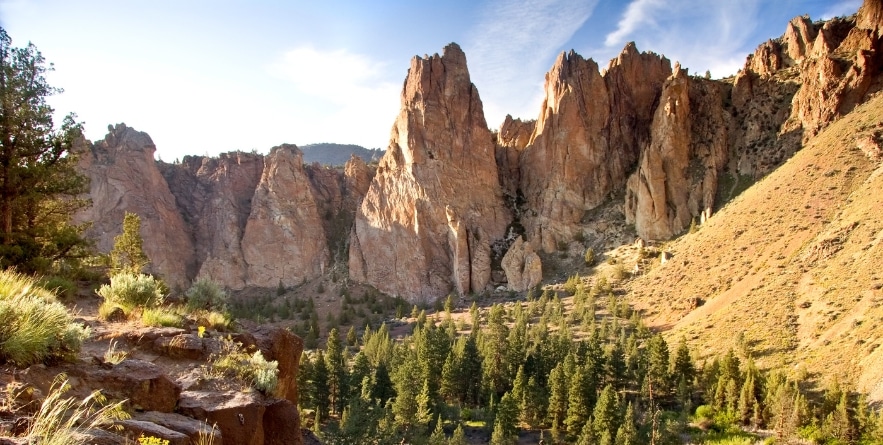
[[39, 183]]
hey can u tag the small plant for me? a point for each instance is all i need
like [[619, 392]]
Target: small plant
[[590, 257], [34, 327], [150, 440], [59, 421], [200, 332], [206, 294], [113, 355], [161, 317], [253, 370], [107, 310], [130, 290], [63, 288]]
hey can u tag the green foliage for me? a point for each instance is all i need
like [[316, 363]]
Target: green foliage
[[206, 294], [33, 326], [161, 317], [40, 183], [127, 256], [62, 287], [254, 369], [589, 257], [130, 290]]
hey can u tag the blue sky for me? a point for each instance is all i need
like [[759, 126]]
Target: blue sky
[[210, 76]]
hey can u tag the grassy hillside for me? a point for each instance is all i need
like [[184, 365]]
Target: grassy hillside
[[795, 264]]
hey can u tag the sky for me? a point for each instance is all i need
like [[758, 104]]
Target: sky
[[204, 77]]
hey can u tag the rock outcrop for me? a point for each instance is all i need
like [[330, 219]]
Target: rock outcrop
[[523, 267], [586, 140], [214, 195], [676, 179], [283, 241], [427, 222], [125, 178]]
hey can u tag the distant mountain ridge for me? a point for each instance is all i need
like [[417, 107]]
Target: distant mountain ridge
[[327, 153]]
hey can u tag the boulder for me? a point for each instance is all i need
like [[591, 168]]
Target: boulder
[[188, 346], [192, 428], [238, 415], [282, 423], [283, 346], [523, 267]]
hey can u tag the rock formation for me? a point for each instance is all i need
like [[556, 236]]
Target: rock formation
[[427, 222], [283, 241], [523, 266], [214, 196], [676, 179], [586, 140], [124, 178]]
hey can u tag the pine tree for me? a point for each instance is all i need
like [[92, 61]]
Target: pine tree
[[506, 421], [459, 437], [578, 411], [627, 433], [335, 360], [321, 392], [606, 414], [438, 434], [557, 394], [128, 255], [425, 408], [587, 435]]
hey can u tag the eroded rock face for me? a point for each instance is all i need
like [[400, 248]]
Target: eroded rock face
[[283, 241], [587, 139], [435, 205], [214, 195], [677, 176], [523, 266], [124, 178]]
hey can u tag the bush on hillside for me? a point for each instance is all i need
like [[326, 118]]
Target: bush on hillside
[[129, 290], [34, 327], [206, 294]]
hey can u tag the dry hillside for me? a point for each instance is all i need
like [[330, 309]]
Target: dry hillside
[[795, 263]]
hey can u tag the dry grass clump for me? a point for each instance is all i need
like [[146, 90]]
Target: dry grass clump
[[34, 327]]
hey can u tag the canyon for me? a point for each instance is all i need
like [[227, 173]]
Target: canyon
[[658, 148]]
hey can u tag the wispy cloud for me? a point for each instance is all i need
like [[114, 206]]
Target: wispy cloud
[[841, 8], [512, 46], [702, 35]]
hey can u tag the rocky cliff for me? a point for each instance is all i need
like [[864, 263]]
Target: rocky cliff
[[124, 178], [241, 219], [586, 139], [638, 143], [426, 225]]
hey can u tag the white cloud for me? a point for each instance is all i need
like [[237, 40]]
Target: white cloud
[[352, 96], [511, 48], [841, 8], [701, 35]]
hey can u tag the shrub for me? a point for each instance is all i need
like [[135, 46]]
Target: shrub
[[590, 257], [62, 287], [34, 327], [150, 440], [253, 370], [161, 317], [206, 294], [130, 290]]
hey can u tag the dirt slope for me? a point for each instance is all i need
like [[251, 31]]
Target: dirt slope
[[795, 263]]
